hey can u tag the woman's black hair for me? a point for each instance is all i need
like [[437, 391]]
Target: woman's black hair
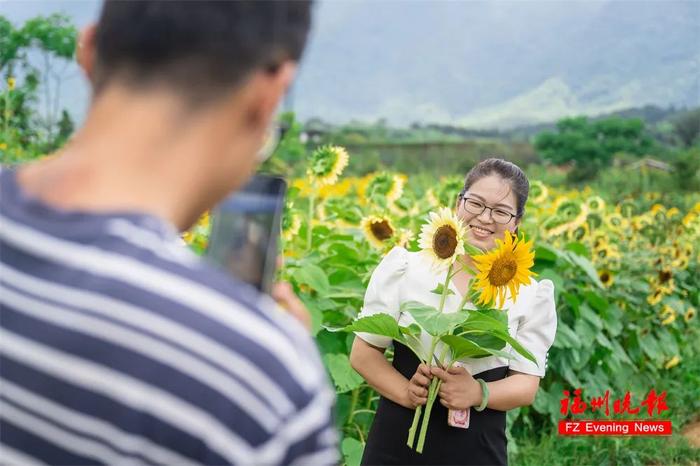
[[506, 170]]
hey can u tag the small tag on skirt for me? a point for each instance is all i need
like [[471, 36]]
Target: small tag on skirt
[[458, 418]]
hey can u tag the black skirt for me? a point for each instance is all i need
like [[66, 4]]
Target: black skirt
[[483, 443]]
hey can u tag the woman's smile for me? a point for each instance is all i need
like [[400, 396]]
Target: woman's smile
[[480, 232]]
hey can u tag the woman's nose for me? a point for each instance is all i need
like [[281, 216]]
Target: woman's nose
[[485, 216]]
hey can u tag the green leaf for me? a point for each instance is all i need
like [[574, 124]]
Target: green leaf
[[496, 314], [544, 253], [314, 311], [465, 348], [339, 292], [472, 250], [591, 316], [603, 340], [572, 300], [484, 320], [597, 301], [651, 347], [486, 340], [378, 324], [569, 375], [314, 276], [585, 330], [613, 320], [579, 249], [566, 337], [440, 289], [479, 323], [620, 353], [352, 451], [431, 320], [413, 329], [342, 373], [329, 342], [586, 266]]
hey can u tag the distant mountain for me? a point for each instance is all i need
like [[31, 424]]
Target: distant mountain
[[497, 64]]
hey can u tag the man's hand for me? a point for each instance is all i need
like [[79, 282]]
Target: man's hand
[[459, 390], [283, 293], [417, 388]]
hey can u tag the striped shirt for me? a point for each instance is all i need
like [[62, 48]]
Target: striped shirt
[[119, 345]]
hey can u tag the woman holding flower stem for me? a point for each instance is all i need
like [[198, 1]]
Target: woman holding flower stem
[[491, 203]]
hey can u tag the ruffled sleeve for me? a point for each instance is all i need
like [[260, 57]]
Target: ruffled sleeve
[[382, 295], [536, 331]]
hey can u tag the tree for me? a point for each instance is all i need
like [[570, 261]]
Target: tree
[[36, 56], [591, 145], [687, 127]]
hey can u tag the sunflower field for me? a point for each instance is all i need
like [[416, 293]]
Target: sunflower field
[[627, 284]]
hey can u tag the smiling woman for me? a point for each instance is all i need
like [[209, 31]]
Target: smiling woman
[[490, 204]]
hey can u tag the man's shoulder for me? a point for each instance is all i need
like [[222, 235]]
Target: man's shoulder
[[211, 300]]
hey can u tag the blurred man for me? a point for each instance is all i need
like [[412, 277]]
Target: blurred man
[[116, 343]]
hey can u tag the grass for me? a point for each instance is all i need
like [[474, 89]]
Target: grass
[[556, 450], [683, 398]]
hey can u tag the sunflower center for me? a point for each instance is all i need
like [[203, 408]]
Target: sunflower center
[[381, 230], [503, 270], [605, 277], [445, 242], [664, 276]]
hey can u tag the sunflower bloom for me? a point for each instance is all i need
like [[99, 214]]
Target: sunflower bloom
[[291, 224], [668, 314], [681, 263], [385, 185], [672, 362], [655, 297], [378, 230], [326, 164], [616, 222], [689, 314], [442, 238], [504, 268], [606, 278], [538, 192], [403, 238], [11, 82], [596, 204]]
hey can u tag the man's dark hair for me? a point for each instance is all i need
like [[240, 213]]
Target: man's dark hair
[[197, 47]]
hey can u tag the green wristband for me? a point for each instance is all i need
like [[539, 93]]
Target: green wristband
[[484, 395]]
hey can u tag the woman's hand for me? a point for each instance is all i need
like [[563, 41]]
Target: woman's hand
[[417, 388], [459, 390]]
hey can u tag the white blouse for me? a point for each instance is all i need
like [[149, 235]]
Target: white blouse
[[404, 276]]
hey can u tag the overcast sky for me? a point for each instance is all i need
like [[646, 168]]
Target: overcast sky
[[341, 63]]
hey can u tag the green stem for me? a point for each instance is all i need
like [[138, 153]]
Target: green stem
[[432, 390], [443, 354], [432, 394], [7, 109], [445, 287], [465, 298], [353, 404], [309, 228], [414, 427]]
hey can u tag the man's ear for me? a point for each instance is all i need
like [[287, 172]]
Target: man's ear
[[266, 90], [86, 49]]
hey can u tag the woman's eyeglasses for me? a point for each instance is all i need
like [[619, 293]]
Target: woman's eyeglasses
[[476, 207]]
